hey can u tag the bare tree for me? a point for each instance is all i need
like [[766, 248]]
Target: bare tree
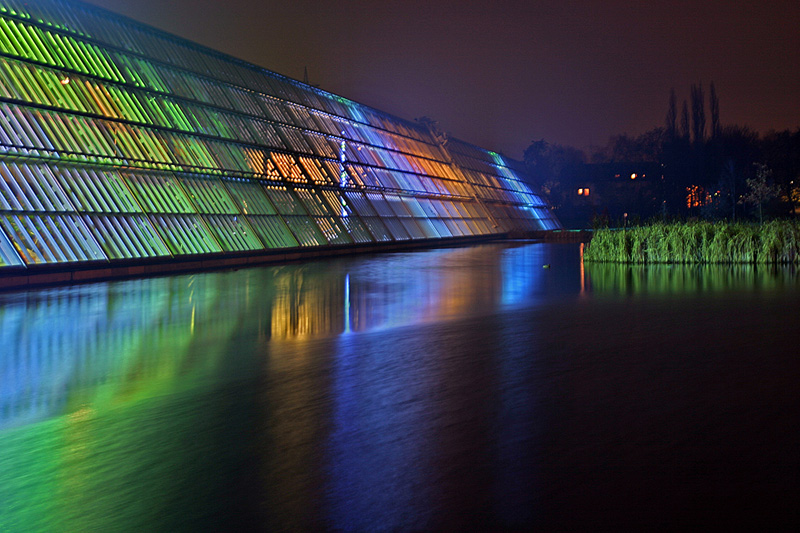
[[760, 189]]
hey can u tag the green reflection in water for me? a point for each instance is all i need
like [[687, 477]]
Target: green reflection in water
[[97, 384], [607, 278], [149, 404]]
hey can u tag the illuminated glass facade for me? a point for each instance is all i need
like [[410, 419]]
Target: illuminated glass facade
[[120, 143]]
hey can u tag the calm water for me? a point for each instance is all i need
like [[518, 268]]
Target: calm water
[[466, 388]]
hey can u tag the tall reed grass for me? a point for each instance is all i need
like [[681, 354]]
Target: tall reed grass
[[697, 243]]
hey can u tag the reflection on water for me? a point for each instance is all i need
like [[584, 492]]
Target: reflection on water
[[141, 335], [681, 279], [457, 388]]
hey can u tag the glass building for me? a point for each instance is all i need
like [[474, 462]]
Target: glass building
[[124, 146]]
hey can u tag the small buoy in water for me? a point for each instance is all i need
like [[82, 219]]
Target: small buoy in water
[[546, 266]]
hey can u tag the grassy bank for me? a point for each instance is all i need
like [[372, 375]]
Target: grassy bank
[[698, 242]]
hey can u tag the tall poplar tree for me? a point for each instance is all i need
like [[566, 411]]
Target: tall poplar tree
[[714, 105], [672, 116], [685, 121], [698, 113]]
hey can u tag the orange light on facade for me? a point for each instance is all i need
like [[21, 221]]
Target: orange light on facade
[[580, 192]]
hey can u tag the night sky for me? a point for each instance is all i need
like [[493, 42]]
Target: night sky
[[502, 73]]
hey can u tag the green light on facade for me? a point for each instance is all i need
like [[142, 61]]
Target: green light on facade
[[157, 130]]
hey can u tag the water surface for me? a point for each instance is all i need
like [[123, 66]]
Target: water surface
[[463, 388]]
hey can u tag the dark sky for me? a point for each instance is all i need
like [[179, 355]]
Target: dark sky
[[502, 73]]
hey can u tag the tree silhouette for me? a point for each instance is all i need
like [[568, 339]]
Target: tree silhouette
[[714, 105], [761, 190], [685, 121], [728, 179], [698, 113], [672, 116]]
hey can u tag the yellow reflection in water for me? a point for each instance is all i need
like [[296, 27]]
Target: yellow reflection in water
[[313, 301], [306, 304]]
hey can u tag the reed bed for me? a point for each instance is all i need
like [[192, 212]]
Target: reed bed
[[776, 242]]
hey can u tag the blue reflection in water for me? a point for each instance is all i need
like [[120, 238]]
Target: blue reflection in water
[[347, 303], [409, 404], [378, 449]]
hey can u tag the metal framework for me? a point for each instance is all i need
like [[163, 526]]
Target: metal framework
[[119, 142]]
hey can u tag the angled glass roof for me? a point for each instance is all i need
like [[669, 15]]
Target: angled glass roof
[[122, 142]]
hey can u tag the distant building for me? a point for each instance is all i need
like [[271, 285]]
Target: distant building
[[617, 191]]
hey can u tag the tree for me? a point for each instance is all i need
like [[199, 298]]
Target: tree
[[760, 189], [781, 153], [647, 147], [672, 116], [433, 127], [685, 121], [620, 148], [698, 113], [545, 161], [651, 145], [537, 160], [728, 184], [553, 167], [714, 105]]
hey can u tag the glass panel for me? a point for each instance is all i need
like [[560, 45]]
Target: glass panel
[[316, 171], [159, 193], [273, 231], [305, 231], [396, 228], [313, 203], [288, 167], [125, 237], [185, 234], [209, 195], [285, 201], [377, 228], [380, 205], [427, 228], [8, 255], [360, 204], [233, 233], [441, 227], [413, 206], [358, 232], [333, 231], [413, 229], [397, 205], [96, 190], [250, 197], [51, 238]]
